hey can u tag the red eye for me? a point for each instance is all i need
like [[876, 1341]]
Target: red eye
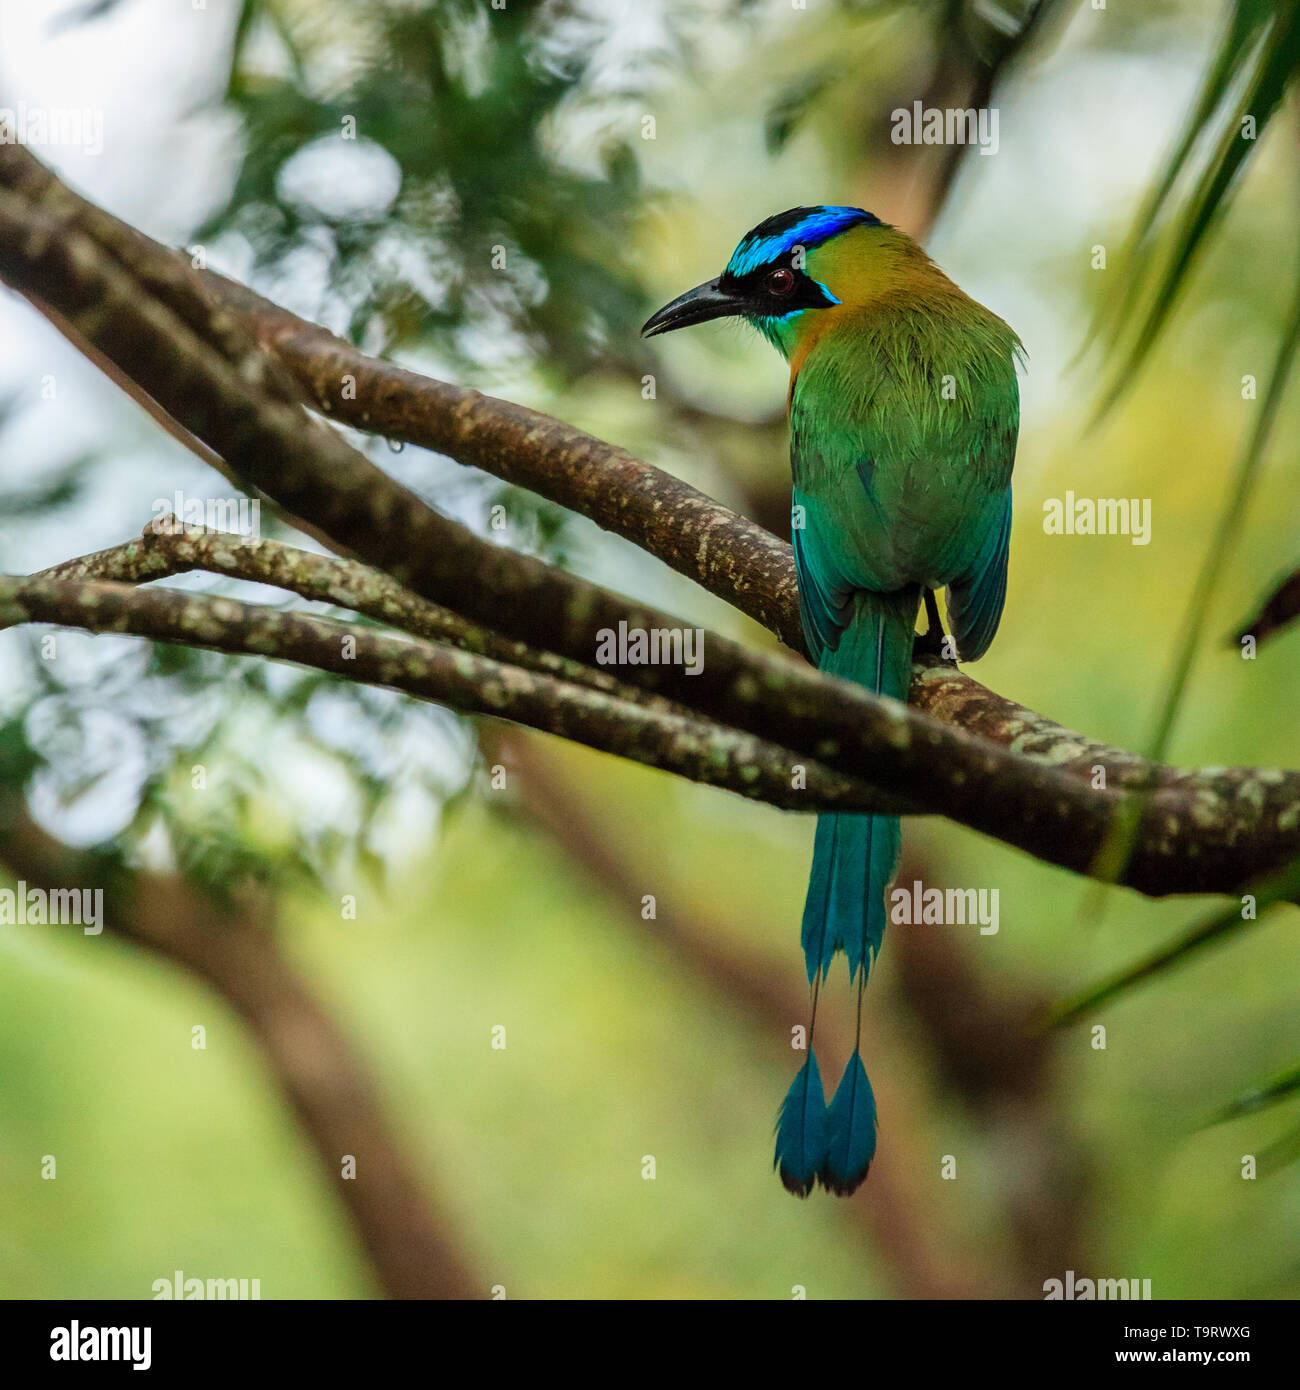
[[779, 282]]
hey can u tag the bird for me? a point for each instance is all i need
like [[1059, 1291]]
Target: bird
[[904, 409]]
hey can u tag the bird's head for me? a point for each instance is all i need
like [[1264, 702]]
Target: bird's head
[[795, 274]]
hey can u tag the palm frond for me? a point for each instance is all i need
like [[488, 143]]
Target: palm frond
[[1114, 854], [1281, 887], [1259, 53], [1268, 1093]]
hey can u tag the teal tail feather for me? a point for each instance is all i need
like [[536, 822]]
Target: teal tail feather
[[851, 1123], [801, 1136], [855, 858]]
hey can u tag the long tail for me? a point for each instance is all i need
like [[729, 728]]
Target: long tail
[[855, 858]]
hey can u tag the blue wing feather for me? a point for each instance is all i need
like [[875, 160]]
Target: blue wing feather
[[975, 599], [824, 598]]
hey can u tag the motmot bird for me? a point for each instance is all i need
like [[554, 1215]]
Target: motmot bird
[[903, 410]]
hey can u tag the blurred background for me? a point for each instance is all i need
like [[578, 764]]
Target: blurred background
[[525, 184]]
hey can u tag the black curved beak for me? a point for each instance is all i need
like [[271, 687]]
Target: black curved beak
[[699, 305]]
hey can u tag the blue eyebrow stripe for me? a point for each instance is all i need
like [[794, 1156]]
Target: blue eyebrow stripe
[[820, 225]]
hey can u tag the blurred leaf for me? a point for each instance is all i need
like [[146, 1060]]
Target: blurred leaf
[[1281, 606], [1278, 888], [1115, 853], [1282, 1153], [792, 105], [1285, 1150], [492, 231], [1229, 522], [1260, 51], [1270, 1093], [76, 15]]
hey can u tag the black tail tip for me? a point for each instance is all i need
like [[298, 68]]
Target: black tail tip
[[799, 1187], [842, 1187]]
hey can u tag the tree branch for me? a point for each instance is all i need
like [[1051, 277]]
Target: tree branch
[[687, 530], [215, 380], [168, 547], [690, 747], [1215, 830]]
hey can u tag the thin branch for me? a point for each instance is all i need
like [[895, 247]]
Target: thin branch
[[204, 376], [691, 747], [1006, 51], [168, 547], [312, 471]]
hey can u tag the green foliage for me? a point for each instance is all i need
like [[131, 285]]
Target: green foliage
[[1258, 57], [174, 710], [469, 104], [1279, 888], [1267, 1096], [1268, 1093], [491, 230]]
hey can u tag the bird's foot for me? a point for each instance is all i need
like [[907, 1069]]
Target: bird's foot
[[934, 644]]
